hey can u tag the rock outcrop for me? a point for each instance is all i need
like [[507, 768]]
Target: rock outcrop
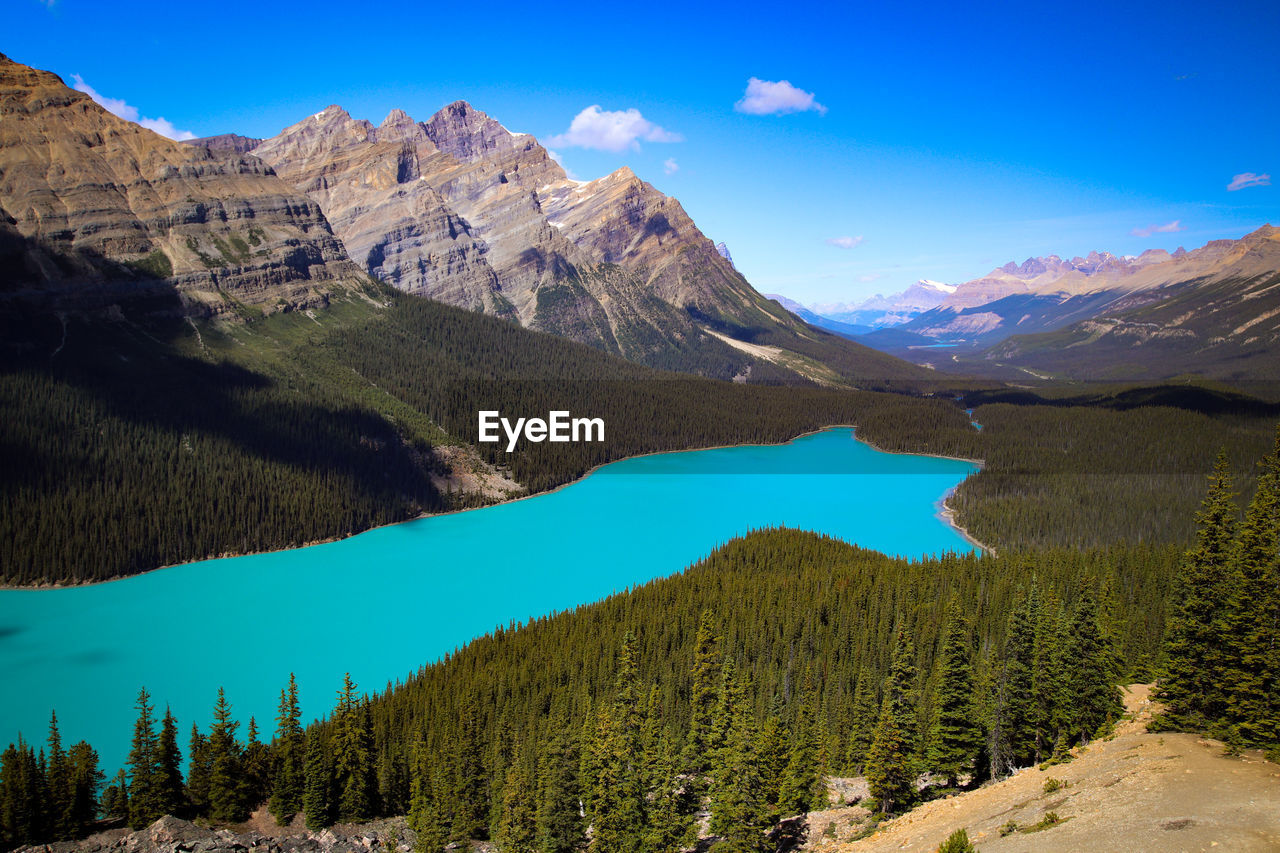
[[93, 207], [174, 835]]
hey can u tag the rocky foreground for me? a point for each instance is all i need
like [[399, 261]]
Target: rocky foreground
[[1134, 792], [174, 835]]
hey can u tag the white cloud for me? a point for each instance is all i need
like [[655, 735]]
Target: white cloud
[[612, 130], [1167, 228], [1248, 179], [870, 277], [844, 242], [670, 166], [764, 98], [115, 106]]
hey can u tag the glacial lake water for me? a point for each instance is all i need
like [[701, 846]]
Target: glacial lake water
[[381, 604]]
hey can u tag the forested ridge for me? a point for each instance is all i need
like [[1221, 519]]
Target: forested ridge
[[774, 659], [134, 444], [735, 688]]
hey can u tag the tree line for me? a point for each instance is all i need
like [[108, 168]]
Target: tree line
[[1222, 644], [735, 687], [141, 446]]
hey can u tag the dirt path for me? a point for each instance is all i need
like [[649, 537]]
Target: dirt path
[[1136, 792]]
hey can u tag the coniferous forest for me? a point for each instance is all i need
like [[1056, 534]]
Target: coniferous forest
[[184, 443], [730, 691], [736, 687]]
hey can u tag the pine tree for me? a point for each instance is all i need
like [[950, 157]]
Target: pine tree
[[144, 767], [891, 769], [1251, 623], [1044, 675], [703, 697], [1013, 741], [58, 783], [801, 786], [85, 778], [517, 828], [319, 782], [739, 813], [470, 780], [955, 738], [169, 788], [426, 814], [670, 819], [198, 772], [618, 799], [1195, 657], [228, 802], [353, 755], [865, 712], [22, 796], [289, 746], [559, 826], [774, 749], [1089, 696]]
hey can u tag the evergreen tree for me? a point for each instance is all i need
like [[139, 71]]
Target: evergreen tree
[[319, 782], [956, 737], [289, 746], [1195, 658], [739, 813], [353, 755], [228, 789], [257, 766], [85, 779], [1013, 740], [670, 819], [426, 814], [774, 750], [22, 796], [1251, 623], [703, 697], [865, 712], [198, 772], [1089, 696], [470, 780], [891, 762], [802, 788], [144, 767], [618, 799], [58, 783], [1044, 675], [517, 828], [559, 826], [169, 788]]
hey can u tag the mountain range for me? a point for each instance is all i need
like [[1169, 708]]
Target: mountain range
[[1213, 311], [459, 209], [95, 209]]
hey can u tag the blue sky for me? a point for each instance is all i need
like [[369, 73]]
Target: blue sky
[[938, 141]]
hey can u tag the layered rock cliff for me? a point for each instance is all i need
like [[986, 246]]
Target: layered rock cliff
[[462, 210], [93, 207]]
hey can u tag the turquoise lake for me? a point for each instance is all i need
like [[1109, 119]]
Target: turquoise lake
[[381, 604]]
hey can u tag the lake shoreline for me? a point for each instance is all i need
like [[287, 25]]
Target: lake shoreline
[[945, 513]]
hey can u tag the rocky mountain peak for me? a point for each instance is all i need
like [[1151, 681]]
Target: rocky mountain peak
[[396, 118], [468, 134], [114, 204], [399, 127]]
